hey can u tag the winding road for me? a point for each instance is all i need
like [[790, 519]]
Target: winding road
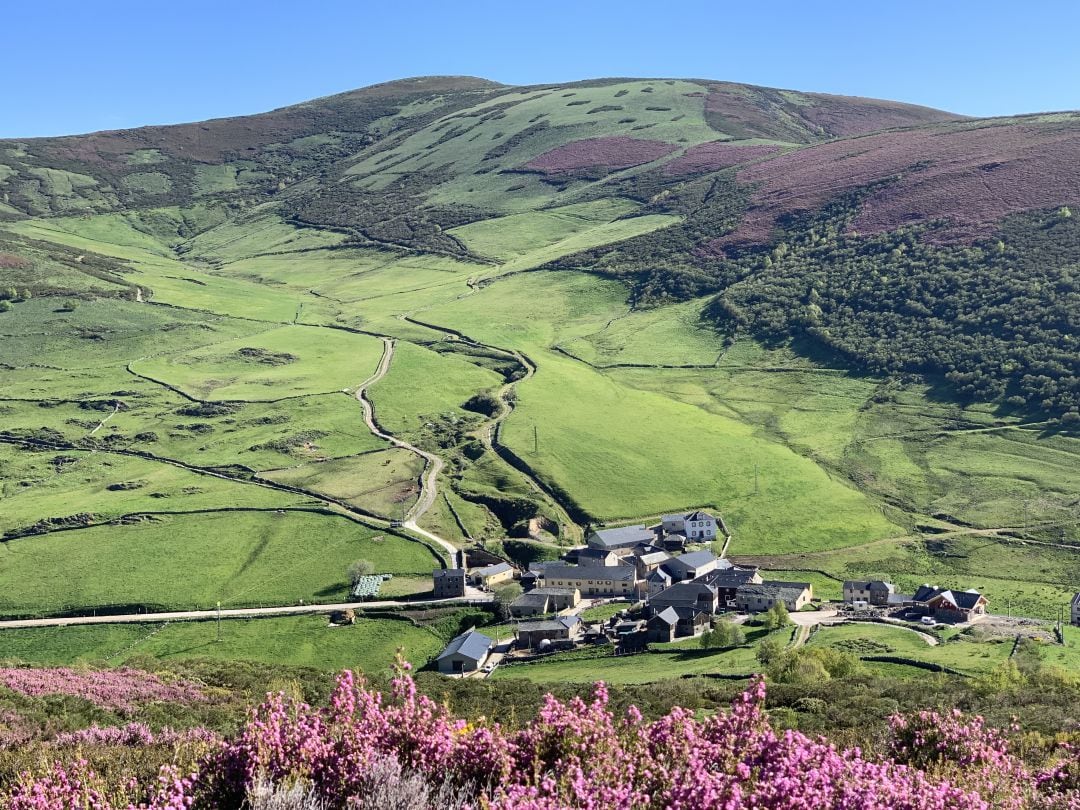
[[434, 464]]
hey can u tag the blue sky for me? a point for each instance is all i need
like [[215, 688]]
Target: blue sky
[[82, 66]]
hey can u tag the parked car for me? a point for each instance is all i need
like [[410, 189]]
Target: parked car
[[928, 621]]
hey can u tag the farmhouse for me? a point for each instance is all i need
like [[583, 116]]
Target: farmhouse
[[449, 583], [874, 592], [659, 580], [466, 653], [695, 595], [1076, 610], [530, 635], [727, 582], [755, 598], [492, 575], [947, 605], [592, 581], [623, 538], [695, 526], [649, 562], [544, 600], [594, 556], [661, 626], [691, 566]]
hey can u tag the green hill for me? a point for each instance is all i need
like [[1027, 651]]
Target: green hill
[[848, 325]]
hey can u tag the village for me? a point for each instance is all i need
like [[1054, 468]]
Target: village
[[673, 587]]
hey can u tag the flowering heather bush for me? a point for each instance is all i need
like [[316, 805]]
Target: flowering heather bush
[[366, 750], [134, 734], [708, 157], [971, 177], [619, 152], [11, 261], [120, 689]]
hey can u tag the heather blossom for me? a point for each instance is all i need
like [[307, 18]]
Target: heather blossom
[[366, 750]]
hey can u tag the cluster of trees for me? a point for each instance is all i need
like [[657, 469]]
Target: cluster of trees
[[997, 320], [723, 634]]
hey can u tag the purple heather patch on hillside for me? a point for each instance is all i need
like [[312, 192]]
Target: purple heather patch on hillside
[[618, 152], [121, 689], [968, 178], [709, 157]]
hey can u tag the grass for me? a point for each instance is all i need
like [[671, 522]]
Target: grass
[[422, 384], [602, 612], [190, 562], [369, 645], [383, 483], [960, 653], [287, 361]]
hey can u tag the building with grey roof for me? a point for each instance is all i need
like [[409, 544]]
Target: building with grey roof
[[692, 565], [531, 635], [759, 597], [623, 537], [593, 580], [873, 592], [491, 575], [449, 583], [1076, 610], [539, 601], [466, 653]]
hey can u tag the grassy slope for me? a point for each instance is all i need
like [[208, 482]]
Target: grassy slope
[[368, 645], [190, 562]]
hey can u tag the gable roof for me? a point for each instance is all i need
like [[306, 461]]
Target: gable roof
[[1076, 600], [554, 591], [774, 589], [659, 575], [446, 573], [683, 593], [654, 557], [869, 585], [668, 616], [621, 537], [699, 515], [472, 645], [531, 599], [730, 577], [497, 568], [965, 600], [607, 573], [691, 561], [561, 623]]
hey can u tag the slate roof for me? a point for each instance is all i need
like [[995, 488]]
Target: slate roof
[[562, 623], [1076, 600], [610, 573], [871, 585], [729, 577], [699, 515], [659, 575], [683, 593], [775, 589], [621, 537], [593, 555], [654, 557], [690, 562], [965, 600], [554, 591], [497, 568], [668, 616], [531, 599], [445, 573], [472, 645]]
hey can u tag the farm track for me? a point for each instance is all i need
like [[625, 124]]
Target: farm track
[[433, 463], [234, 613]]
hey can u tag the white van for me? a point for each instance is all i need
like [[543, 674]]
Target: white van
[[928, 621]]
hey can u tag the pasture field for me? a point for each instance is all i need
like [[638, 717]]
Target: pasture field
[[192, 561], [281, 363], [39, 486], [383, 483], [369, 645], [960, 652], [422, 385]]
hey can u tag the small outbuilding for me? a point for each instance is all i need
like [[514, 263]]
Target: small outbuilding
[[466, 653]]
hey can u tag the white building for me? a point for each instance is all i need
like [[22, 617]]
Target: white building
[[696, 526]]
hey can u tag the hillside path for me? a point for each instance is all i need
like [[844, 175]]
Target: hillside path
[[434, 464], [231, 613]]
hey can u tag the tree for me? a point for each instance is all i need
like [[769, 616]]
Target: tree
[[776, 617], [769, 650], [358, 569], [5, 306], [504, 595]]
